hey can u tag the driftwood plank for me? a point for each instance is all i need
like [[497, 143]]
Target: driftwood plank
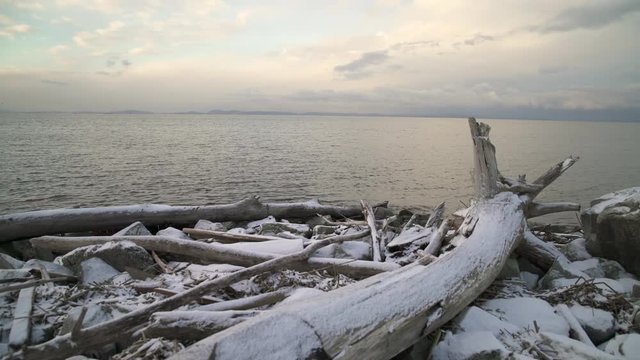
[[21, 327]]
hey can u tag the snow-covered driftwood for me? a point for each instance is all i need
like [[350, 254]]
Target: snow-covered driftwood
[[46, 222], [216, 253], [423, 297]]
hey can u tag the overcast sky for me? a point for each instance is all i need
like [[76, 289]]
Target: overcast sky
[[502, 58]]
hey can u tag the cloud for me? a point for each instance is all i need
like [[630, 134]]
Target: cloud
[[591, 16], [54, 82], [360, 67], [11, 31]]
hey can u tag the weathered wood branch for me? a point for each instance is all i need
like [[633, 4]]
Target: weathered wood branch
[[436, 239], [64, 346], [538, 252], [34, 283], [250, 302], [216, 253], [485, 164], [225, 237], [371, 222], [59, 221], [576, 329], [538, 209], [20, 333]]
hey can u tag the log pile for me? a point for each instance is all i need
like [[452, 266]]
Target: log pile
[[297, 281]]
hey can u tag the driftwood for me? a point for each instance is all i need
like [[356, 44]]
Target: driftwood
[[21, 326], [375, 238], [193, 325], [576, 329], [538, 252], [64, 346], [217, 253], [250, 302], [45, 222], [356, 322], [225, 237]]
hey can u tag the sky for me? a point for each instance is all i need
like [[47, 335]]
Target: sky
[[509, 58]]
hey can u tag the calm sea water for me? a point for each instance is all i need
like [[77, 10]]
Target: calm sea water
[[80, 160]]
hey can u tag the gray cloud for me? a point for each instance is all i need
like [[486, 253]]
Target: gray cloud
[[360, 67], [593, 16], [126, 63], [54, 82], [414, 45], [478, 39]]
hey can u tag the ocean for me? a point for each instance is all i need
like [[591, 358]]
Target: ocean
[[53, 160]]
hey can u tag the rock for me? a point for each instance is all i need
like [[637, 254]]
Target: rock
[[278, 227], [328, 251], [208, 225], [479, 345], [530, 279], [629, 285], [96, 271], [54, 270], [238, 230], [563, 347], [325, 230], [119, 254], [524, 311], [353, 250], [9, 262], [173, 232], [561, 270], [137, 228], [612, 228], [474, 319], [257, 223], [510, 269], [598, 324], [598, 267], [526, 265], [627, 345], [576, 250]]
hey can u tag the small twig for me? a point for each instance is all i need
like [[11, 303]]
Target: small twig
[[77, 327]]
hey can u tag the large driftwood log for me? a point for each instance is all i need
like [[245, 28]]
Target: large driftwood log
[[215, 253], [538, 252], [47, 222], [424, 297]]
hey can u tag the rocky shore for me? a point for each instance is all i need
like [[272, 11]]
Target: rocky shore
[[581, 307]]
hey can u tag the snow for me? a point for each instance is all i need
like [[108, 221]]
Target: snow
[[567, 348], [469, 346], [524, 311], [299, 294], [577, 250], [173, 232], [530, 279], [476, 319], [613, 198], [353, 250], [287, 246], [95, 270], [598, 324]]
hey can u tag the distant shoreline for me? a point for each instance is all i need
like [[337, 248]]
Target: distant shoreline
[[590, 118]]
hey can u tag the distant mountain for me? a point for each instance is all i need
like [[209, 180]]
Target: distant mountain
[[121, 112]]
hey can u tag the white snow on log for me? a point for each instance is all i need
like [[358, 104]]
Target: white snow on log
[[524, 311], [300, 294]]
